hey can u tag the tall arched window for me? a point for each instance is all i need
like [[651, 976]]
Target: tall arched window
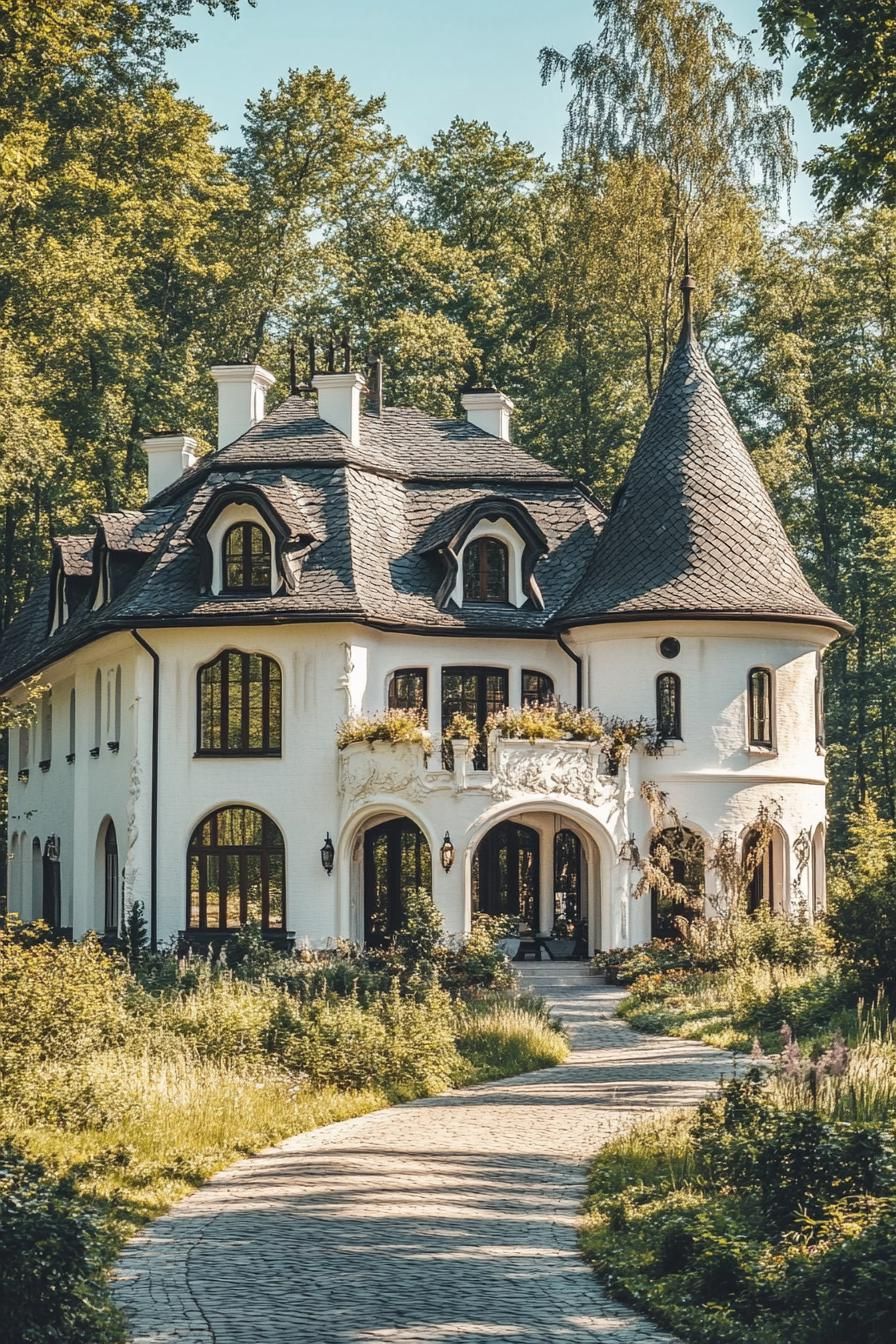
[[72, 724], [537, 688], [239, 705], [668, 705], [567, 876], [110, 879], [97, 713], [397, 861], [37, 880], [680, 855], [247, 559], [759, 704], [46, 731], [236, 871], [485, 570], [505, 874]]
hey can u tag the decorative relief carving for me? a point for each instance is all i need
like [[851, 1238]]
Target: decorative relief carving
[[130, 866], [392, 769], [553, 769]]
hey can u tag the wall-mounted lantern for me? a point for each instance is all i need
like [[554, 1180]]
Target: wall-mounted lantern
[[447, 853], [327, 855], [629, 852]]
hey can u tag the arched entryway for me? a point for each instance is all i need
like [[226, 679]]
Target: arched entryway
[[680, 855], [764, 870], [506, 875], [236, 872], [396, 860]]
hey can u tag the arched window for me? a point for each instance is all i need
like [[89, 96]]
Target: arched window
[[537, 688], [680, 855], [46, 731], [239, 705], [247, 559], [407, 689], [72, 724], [764, 870], [37, 880], [820, 731], [567, 877], [110, 879], [485, 570], [396, 861], [13, 888], [236, 871], [819, 873], [759, 706], [116, 723], [668, 705], [505, 874], [97, 713]]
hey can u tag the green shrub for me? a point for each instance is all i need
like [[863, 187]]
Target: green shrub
[[474, 962], [862, 923], [404, 1046], [51, 1285]]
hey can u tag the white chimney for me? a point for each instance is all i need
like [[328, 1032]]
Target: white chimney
[[242, 389], [339, 402], [488, 410], [168, 456]]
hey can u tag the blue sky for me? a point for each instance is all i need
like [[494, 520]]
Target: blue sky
[[433, 60]]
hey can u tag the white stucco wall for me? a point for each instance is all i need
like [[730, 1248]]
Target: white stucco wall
[[328, 670]]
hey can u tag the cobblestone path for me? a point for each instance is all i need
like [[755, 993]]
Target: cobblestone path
[[446, 1220]]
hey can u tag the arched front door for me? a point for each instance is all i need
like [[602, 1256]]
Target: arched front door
[[505, 874], [396, 860]]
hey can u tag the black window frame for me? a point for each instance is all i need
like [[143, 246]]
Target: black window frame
[[668, 720], [396, 701], [482, 708], [754, 718], [544, 696], [271, 674], [111, 880], [271, 848], [245, 559], [480, 546]]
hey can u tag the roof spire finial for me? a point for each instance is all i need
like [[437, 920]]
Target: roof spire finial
[[688, 285]]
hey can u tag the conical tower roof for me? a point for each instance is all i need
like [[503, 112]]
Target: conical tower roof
[[692, 530]]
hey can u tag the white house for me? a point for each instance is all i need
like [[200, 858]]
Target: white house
[[336, 556]]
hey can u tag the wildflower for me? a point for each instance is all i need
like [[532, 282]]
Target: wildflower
[[786, 1035], [756, 1052]]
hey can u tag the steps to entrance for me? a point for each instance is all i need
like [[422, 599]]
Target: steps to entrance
[[551, 977]]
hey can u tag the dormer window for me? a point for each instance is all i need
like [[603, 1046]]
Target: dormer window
[[485, 570], [247, 559]]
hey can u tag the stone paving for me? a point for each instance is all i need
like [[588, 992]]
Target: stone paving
[[451, 1219]]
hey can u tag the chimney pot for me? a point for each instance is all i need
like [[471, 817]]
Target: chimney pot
[[339, 402], [242, 389], [489, 410], [168, 456]]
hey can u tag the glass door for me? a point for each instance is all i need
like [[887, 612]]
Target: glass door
[[475, 692]]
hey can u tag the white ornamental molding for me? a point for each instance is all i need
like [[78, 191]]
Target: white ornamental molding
[[565, 768], [367, 771]]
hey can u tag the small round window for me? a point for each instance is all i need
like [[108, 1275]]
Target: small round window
[[670, 647]]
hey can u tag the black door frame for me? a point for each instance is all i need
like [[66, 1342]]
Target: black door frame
[[508, 833], [392, 830]]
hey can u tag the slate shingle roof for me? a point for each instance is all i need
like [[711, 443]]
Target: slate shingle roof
[[691, 531], [692, 528]]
